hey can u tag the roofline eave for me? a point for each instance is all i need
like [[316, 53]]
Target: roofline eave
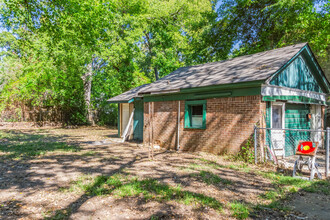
[[248, 84]]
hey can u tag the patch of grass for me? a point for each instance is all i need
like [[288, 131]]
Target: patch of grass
[[277, 205], [211, 164], [287, 185], [185, 169], [239, 210], [294, 184], [18, 145], [120, 185], [57, 215], [88, 153], [320, 186], [210, 178], [233, 167], [271, 195], [154, 217], [195, 166], [79, 185], [215, 165]]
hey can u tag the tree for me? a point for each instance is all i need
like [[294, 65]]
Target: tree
[[254, 26], [93, 50]]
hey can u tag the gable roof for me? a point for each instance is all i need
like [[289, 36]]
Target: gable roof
[[254, 67], [259, 66]]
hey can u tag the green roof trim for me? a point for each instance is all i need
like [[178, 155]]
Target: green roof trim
[[224, 86], [203, 94]]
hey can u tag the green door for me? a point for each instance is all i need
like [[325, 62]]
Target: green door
[[296, 118], [138, 121]]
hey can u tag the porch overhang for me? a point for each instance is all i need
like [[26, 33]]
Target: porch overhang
[[277, 93]]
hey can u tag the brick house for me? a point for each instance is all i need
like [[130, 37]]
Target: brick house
[[214, 107]]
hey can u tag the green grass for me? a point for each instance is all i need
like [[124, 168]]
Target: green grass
[[284, 186], [154, 217], [88, 153], [58, 215], [293, 184], [18, 145], [270, 195], [239, 210], [214, 165], [196, 166], [120, 186], [210, 178]]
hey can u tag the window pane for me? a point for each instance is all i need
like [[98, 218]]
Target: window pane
[[197, 121], [277, 116], [197, 110]]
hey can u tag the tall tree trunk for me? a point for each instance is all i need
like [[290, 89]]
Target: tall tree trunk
[[87, 79], [156, 73]]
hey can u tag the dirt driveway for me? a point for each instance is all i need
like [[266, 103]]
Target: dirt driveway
[[86, 173]]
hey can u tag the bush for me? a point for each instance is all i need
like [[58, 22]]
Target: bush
[[246, 153]]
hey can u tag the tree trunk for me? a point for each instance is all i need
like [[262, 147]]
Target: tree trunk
[[87, 79], [156, 73]]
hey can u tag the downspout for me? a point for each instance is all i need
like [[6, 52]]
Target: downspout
[[178, 136]]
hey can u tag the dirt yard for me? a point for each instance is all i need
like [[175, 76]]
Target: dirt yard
[[86, 173]]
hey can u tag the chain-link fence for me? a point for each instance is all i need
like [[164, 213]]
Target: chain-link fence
[[279, 145]]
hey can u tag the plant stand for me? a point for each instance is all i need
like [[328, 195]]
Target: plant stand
[[310, 156]]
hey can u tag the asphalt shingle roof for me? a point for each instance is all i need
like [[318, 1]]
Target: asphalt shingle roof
[[259, 66], [126, 96]]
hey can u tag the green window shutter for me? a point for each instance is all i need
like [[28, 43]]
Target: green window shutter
[[204, 116], [188, 114]]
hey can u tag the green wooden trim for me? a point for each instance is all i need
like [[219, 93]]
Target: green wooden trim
[[301, 99], [138, 120], [285, 65], [311, 62], [223, 86], [212, 95], [299, 75], [203, 95], [319, 68], [268, 114], [118, 123], [196, 102], [122, 101], [187, 115]]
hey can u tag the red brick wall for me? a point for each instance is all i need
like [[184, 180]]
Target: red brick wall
[[229, 123]]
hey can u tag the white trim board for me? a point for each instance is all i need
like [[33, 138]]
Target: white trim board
[[282, 91]]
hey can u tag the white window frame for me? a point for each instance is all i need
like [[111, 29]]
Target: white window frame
[[283, 113]]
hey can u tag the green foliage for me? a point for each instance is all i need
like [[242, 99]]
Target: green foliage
[[255, 26], [51, 50], [240, 210], [246, 153], [54, 49]]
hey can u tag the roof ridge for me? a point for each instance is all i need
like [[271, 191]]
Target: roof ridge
[[258, 53]]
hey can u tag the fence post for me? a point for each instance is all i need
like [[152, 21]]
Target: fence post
[[255, 145], [327, 153]]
